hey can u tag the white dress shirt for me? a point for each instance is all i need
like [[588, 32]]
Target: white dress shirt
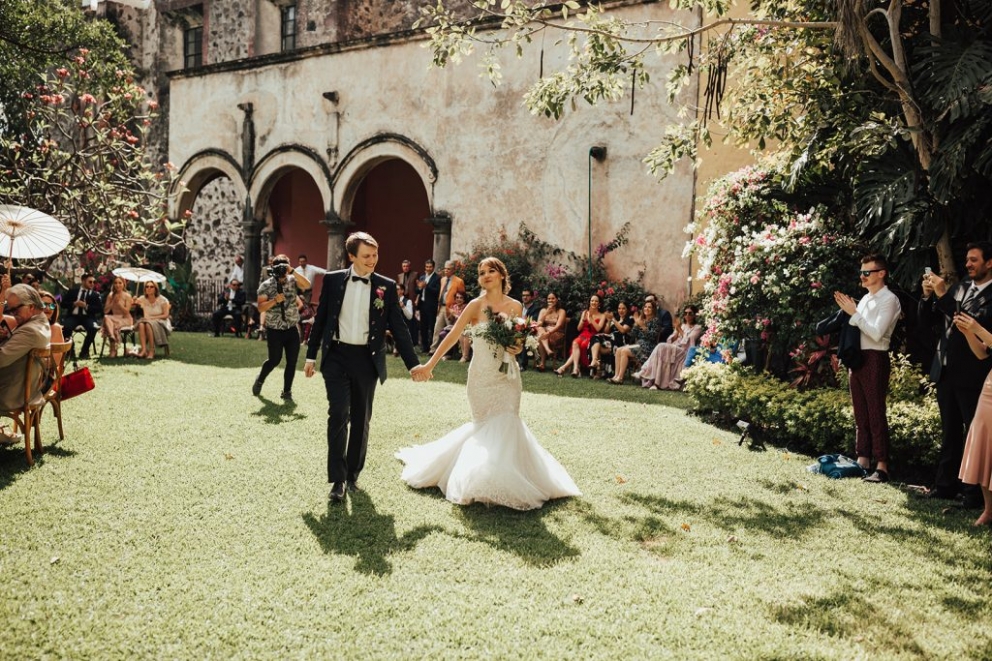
[[876, 319], [310, 272], [353, 322]]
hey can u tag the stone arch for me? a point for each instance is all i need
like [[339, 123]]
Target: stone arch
[[277, 162], [373, 151], [202, 168]]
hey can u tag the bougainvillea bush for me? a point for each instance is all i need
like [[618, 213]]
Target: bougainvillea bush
[[544, 268], [769, 270]]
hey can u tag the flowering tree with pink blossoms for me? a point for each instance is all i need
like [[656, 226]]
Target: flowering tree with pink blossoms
[[769, 270], [81, 157]]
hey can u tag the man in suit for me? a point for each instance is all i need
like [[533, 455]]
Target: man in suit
[[357, 307], [451, 284], [959, 375], [429, 288], [229, 303], [532, 308], [407, 279], [83, 307]]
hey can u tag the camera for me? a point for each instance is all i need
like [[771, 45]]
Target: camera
[[278, 270]]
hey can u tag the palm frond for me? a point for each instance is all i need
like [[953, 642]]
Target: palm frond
[[950, 74], [965, 151]]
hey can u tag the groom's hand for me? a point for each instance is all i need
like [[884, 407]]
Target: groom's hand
[[308, 369], [421, 373]]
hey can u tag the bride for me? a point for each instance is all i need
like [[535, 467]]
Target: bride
[[493, 459]]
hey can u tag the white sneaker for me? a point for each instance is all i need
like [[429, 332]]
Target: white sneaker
[[10, 438]]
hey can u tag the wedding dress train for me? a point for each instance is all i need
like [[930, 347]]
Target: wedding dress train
[[493, 459]]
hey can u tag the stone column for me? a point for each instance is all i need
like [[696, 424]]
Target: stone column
[[252, 231], [337, 231], [441, 222]]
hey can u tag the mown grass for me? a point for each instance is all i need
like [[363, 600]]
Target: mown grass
[[183, 518]]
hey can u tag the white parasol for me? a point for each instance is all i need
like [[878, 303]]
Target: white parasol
[[29, 234], [137, 274]]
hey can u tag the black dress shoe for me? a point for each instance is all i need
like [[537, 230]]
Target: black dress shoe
[[878, 477], [337, 492], [973, 502], [353, 486], [938, 494], [287, 395]]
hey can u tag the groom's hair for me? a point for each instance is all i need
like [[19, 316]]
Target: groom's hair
[[356, 239]]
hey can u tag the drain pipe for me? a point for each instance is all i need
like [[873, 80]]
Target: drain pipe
[[597, 152]]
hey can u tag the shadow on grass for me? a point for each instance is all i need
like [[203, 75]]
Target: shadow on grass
[[13, 462], [850, 616], [274, 413], [360, 531], [523, 534]]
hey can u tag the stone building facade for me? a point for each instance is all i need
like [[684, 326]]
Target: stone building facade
[[289, 139]]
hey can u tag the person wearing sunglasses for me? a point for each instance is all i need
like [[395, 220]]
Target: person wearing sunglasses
[[23, 303], [83, 307], [875, 316]]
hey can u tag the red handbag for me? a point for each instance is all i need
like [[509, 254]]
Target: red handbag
[[76, 383]]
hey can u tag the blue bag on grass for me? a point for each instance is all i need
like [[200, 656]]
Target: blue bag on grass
[[837, 466]]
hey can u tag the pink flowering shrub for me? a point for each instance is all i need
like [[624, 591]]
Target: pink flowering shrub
[[769, 270]]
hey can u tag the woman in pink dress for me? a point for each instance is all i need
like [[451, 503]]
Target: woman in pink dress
[[976, 464], [590, 324], [662, 369], [116, 314]]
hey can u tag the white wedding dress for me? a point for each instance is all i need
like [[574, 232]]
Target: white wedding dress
[[494, 459]]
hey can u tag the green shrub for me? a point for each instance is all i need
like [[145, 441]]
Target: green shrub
[[821, 421]]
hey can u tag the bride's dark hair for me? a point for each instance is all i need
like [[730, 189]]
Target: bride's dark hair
[[499, 266]]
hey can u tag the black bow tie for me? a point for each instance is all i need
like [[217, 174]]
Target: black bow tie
[[356, 278]]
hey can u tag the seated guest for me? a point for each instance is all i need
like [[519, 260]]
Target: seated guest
[[82, 306], [52, 314], [616, 334], [229, 304], [24, 304], [664, 366], [550, 332], [591, 323], [116, 314], [644, 337], [154, 326], [454, 311]]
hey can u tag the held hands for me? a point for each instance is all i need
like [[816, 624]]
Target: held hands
[[422, 373], [846, 303]]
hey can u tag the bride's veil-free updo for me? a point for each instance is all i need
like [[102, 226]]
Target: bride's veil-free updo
[[499, 266]]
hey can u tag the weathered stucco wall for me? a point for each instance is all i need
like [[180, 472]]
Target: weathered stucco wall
[[497, 164]]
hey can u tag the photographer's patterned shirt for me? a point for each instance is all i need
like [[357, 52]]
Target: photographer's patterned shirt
[[283, 315]]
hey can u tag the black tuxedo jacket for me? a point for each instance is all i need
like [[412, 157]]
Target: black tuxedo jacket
[[387, 316], [94, 304], [240, 298], [429, 295], [954, 361], [531, 311]]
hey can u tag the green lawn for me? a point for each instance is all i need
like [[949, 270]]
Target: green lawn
[[183, 518]]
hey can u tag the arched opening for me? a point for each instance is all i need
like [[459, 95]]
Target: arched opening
[[295, 211], [391, 204]]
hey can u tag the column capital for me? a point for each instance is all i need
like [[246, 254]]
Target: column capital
[[441, 221]]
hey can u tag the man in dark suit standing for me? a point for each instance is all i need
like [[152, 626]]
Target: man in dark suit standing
[[429, 288], [407, 279], [83, 307], [958, 373], [357, 307]]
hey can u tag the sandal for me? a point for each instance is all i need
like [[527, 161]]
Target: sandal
[[560, 373], [575, 375]]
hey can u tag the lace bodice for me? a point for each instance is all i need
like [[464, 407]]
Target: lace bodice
[[491, 392]]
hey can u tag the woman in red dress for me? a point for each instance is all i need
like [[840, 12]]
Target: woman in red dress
[[590, 324]]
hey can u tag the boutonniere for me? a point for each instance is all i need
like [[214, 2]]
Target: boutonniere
[[380, 298]]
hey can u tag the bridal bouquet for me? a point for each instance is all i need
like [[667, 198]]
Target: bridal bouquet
[[503, 331]]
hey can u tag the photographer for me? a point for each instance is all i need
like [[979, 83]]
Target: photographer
[[277, 297]]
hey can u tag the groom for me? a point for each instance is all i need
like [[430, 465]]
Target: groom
[[356, 308]]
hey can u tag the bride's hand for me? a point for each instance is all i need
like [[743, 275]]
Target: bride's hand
[[514, 349], [421, 373]]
